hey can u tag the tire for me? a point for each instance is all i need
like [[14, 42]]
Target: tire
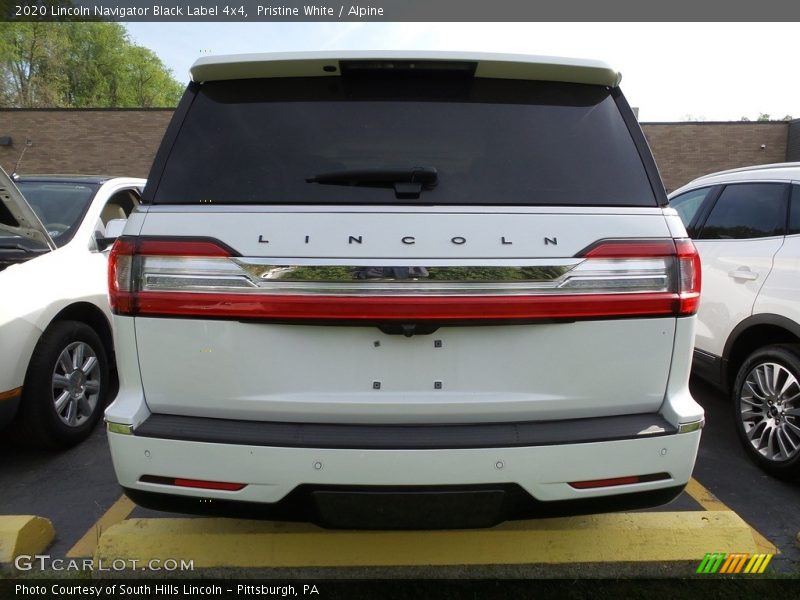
[[61, 404], [766, 409]]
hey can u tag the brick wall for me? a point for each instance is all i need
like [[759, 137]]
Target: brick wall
[[684, 151], [123, 142], [101, 142], [793, 141]]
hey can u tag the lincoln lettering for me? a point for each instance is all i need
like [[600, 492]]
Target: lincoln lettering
[[410, 240]]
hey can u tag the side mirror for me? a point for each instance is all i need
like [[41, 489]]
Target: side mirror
[[114, 229]]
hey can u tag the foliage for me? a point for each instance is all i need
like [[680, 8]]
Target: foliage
[[80, 65], [766, 117]]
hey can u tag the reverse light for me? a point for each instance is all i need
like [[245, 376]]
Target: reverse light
[[190, 277]]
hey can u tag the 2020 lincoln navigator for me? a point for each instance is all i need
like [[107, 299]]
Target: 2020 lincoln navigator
[[403, 290]]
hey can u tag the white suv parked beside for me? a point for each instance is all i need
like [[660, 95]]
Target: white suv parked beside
[[427, 290], [746, 226]]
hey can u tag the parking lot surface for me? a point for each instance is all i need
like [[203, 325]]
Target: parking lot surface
[[77, 491]]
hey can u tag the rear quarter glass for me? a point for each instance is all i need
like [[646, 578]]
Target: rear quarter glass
[[491, 141]]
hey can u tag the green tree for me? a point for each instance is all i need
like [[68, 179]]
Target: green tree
[[30, 72], [148, 83], [80, 65]]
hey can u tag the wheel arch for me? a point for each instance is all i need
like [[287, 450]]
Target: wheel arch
[[94, 317], [752, 333]]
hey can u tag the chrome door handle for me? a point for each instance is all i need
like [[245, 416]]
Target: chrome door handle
[[743, 274]]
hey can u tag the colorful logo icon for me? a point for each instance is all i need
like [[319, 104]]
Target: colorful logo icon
[[720, 562]]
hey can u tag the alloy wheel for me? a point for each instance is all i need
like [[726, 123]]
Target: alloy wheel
[[76, 383], [769, 403]]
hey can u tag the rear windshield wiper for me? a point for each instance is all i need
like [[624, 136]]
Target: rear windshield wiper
[[407, 183]]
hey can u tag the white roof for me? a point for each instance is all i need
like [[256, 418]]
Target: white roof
[[771, 172], [311, 64]]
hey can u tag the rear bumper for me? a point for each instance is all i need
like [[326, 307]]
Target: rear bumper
[[455, 507], [285, 482], [365, 436]]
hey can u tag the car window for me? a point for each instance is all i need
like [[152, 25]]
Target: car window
[[491, 141], [120, 205], [794, 212], [747, 210], [59, 205], [687, 204]]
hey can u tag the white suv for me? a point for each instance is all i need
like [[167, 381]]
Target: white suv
[[746, 226], [430, 290]]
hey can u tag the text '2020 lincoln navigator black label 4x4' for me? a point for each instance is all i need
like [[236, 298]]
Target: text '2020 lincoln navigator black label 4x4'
[[429, 290]]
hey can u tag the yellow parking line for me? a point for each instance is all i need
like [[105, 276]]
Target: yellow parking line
[[624, 537], [710, 502], [119, 511]]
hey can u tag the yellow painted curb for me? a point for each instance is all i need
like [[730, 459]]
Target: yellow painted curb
[[24, 534], [635, 537]]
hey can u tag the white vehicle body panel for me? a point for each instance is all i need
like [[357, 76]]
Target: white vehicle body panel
[[733, 274], [779, 295], [271, 473], [490, 65], [511, 234], [34, 292], [498, 374]]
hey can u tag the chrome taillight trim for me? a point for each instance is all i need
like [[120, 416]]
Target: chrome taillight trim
[[611, 278], [257, 276]]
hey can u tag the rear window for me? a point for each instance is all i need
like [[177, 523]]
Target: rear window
[[491, 141]]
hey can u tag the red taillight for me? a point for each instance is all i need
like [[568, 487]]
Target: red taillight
[[187, 247], [203, 278], [688, 264], [125, 258], [404, 308], [120, 276], [630, 249], [202, 484], [209, 485], [614, 481], [690, 277]]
